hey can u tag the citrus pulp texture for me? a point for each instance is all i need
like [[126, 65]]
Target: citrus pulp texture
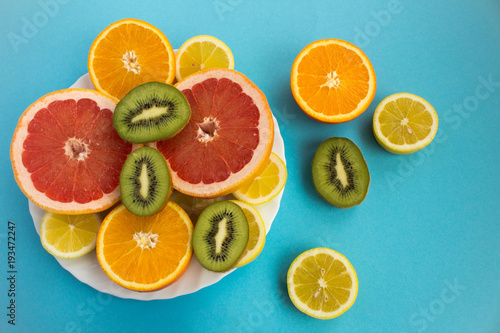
[[333, 81], [128, 53], [145, 253], [228, 139], [65, 153]]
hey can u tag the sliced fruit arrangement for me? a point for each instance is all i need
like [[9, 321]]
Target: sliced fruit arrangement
[[220, 236], [128, 53], [267, 185], [333, 81], [404, 123], [145, 253], [256, 234], [322, 283], [151, 112], [228, 139], [202, 52], [75, 152], [69, 236], [66, 155], [340, 173], [145, 182]]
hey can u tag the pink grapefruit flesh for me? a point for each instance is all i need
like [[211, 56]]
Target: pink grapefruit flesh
[[228, 138], [65, 153]]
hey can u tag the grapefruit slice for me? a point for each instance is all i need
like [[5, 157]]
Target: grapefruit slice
[[228, 139], [66, 155]]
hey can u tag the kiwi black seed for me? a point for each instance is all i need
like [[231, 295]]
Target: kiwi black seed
[[340, 173], [220, 236], [145, 182], [150, 112]]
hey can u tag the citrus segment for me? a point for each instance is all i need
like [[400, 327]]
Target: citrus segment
[[333, 81], [65, 153], [266, 185], [256, 236], [202, 52], [128, 53], [69, 236], [322, 283], [404, 123], [145, 253], [228, 138]]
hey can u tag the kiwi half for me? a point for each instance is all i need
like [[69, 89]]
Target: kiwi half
[[220, 236], [145, 182], [340, 173], [150, 112]]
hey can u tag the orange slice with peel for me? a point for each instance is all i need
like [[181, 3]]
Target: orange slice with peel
[[145, 253], [128, 53], [333, 81]]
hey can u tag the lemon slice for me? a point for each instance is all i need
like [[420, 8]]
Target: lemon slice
[[69, 236], [202, 52], [404, 123], [322, 283], [257, 234], [265, 186]]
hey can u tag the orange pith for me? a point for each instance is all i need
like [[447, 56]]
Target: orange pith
[[145, 253], [128, 53], [332, 81], [228, 139]]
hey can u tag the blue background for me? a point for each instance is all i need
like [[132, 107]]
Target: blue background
[[425, 242]]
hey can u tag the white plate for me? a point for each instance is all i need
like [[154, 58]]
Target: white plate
[[87, 269]]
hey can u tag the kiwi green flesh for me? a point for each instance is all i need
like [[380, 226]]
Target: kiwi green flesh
[[220, 236], [144, 181], [340, 173], [150, 112]]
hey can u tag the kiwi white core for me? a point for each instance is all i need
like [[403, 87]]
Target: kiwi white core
[[341, 174], [221, 235], [144, 180], [152, 112], [146, 240], [130, 62]]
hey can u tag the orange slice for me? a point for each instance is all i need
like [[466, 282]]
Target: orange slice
[[145, 253], [333, 81], [128, 53]]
